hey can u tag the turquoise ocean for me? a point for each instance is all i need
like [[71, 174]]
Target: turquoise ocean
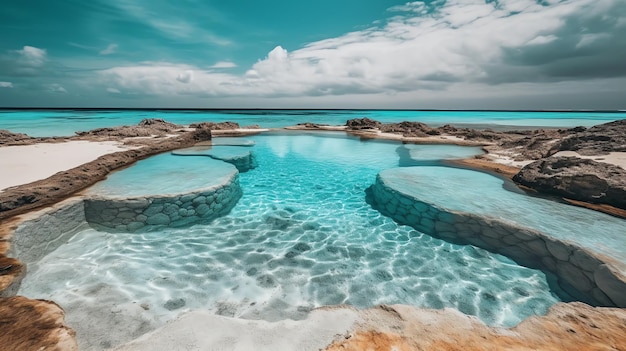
[[67, 122]]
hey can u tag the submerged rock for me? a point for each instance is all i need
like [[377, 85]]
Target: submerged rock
[[576, 178]]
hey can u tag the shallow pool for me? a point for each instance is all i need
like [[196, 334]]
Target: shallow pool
[[302, 236]]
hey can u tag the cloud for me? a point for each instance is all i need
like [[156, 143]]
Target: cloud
[[423, 47], [6, 85], [185, 77], [224, 64], [113, 91], [31, 56], [168, 24], [28, 61], [55, 88], [111, 49]]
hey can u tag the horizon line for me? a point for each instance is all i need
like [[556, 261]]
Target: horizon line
[[299, 109]]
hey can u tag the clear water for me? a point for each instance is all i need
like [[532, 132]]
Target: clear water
[[218, 152], [480, 193], [302, 236], [66, 122], [165, 174]]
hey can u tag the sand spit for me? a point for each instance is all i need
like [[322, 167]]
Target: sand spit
[[29, 163]]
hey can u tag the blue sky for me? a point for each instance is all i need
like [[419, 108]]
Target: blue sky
[[494, 54]]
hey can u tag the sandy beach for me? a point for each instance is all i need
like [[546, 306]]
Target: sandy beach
[[29, 163]]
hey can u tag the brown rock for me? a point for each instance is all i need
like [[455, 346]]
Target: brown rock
[[576, 178], [34, 325], [215, 126], [572, 326], [10, 138], [597, 140], [362, 123]]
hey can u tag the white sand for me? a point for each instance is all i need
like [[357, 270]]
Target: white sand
[[200, 330], [614, 158], [27, 163]]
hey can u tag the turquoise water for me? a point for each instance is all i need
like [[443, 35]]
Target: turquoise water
[[302, 236], [66, 122], [475, 192]]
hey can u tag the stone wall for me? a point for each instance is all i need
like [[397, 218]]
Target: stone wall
[[37, 237], [174, 210], [587, 276]]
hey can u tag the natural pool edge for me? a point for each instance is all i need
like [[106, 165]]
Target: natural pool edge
[[44, 231], [590, 274]]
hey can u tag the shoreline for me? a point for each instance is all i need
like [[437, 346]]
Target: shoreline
[[57, 188]]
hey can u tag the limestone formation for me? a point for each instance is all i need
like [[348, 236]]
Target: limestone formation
[[34, 325], [581, 273], [578, 179]]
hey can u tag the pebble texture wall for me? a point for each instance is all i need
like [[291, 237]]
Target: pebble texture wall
[[591, 277], [165, 210]]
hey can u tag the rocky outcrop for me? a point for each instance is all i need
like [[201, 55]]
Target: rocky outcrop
[[597, 140], [407, 129], [215, 126], [63, 184], [9, 138], [576, 178], [362, 123], [34, 325], [147, 127]]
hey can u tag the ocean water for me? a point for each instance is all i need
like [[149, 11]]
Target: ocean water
[[67, 122], [302, 236]]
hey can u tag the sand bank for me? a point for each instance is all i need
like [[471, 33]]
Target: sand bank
[[27, 163]]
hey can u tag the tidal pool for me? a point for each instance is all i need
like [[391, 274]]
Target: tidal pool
[[302, 236]]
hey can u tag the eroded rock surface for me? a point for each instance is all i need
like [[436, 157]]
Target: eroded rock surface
[[597, 140], [34, 325], [146, 128], [578, 179], [572, 326], [10, 138]]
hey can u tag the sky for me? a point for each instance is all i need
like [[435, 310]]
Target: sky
[[433, 54]]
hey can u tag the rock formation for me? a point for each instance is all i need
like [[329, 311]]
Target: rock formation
[[572, 326], [9, 138], [147, 127], [34, 325], [576, 178]]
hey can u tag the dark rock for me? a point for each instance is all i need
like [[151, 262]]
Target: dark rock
[[174, 304], [215, 126], [158, 123], [202, 134], [362, 123], [10, 138], [409, 129], [145, 128], [597, 140], [578, 179]]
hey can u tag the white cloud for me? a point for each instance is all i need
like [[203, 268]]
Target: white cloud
[[422, 49], [111, 49], [6, 85], [56, 88], [32, 56], [185, 77], [113, 91], [224, 64]]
